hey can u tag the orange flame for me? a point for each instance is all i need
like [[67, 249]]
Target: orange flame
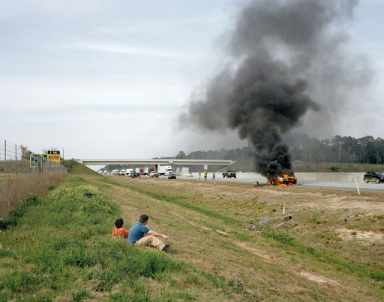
[[283, 179]]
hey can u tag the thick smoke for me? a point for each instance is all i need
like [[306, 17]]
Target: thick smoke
[[276, 50]]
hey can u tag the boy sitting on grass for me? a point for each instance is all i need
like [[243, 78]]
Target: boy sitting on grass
[[119, 230], [139, 234]]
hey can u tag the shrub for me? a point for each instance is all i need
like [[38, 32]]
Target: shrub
[[334, 169]]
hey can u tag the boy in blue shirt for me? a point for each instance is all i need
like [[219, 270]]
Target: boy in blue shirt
[[139, 234]]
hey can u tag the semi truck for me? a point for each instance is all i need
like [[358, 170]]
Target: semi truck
[[145, 170], [164, 170]]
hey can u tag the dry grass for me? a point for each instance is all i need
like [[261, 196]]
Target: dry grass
[[330, 251], [15, 190]]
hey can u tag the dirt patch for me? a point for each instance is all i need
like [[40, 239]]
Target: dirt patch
[[200, 226], [254, 251], [360, 203], [364, 237], [222, 232], [317, 278]]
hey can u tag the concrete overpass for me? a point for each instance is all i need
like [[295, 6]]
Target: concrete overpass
[[159, 161]]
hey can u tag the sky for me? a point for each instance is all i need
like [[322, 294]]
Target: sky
[[101, 79]]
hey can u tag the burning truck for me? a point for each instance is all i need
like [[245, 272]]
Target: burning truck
[[282, 179]]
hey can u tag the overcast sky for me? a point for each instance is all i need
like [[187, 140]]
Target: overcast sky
[[109, 78]]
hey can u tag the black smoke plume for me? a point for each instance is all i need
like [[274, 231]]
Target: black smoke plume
[[276, 49]]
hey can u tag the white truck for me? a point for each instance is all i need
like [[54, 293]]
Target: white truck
[[164, 170]]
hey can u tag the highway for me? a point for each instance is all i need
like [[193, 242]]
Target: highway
[[330, 185], [346, 186]]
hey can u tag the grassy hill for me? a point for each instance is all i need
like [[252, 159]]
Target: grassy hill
[[229, 242], [76, 168]]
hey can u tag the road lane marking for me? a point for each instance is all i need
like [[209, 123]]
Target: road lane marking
[[337, 186]]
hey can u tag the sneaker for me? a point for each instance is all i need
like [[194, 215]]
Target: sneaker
[[166, 248]]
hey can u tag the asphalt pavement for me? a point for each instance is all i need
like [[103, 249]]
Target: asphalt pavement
[[331, 185]]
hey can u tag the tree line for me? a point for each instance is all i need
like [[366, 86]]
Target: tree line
[[339, 149]]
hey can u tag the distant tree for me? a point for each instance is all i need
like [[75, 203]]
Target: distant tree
[[231, 155], [379, 150], [351, 149], [24, 152], [181, 155], [207, 154], [342, 149], [367, 145]]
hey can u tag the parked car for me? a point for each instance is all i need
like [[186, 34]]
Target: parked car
[[377, 177], [189, 174], [153, 174], [229, 174], [134, 174], [171, 176]]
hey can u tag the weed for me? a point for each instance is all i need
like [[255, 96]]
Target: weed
[[15, 215], [281, 237], [377, 276], [50, 187], [80, 295]]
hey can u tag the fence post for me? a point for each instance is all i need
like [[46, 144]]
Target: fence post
[[16, 160], [5, 161]]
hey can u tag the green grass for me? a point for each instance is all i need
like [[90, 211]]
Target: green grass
[[303, 249], [277, 235], [178, 200], [59, 247]]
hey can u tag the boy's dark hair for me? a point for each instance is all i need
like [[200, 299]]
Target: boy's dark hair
[[119, 223], [143, 218]]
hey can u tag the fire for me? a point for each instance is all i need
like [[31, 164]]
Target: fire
[[283, 179]]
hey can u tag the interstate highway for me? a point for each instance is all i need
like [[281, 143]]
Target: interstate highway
[[331, 185]]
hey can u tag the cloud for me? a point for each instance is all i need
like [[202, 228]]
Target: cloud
[[210, 18], [10, 9], [124, 49], [125, 91]]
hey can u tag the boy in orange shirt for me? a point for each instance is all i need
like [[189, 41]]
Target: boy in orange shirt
[[119, 230]]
